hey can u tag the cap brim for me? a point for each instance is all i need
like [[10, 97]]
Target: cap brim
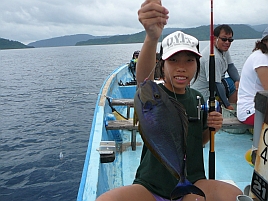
[[175, 50]]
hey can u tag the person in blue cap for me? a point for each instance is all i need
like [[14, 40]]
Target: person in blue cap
[[132, 64]]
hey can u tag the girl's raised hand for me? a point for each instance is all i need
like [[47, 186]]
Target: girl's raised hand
[[153, 16]]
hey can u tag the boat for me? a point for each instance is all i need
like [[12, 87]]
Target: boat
[[115, 146], [98, 176]]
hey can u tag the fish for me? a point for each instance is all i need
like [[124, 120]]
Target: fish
[[163, 125]]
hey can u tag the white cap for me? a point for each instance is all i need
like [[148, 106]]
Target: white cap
[[265, 34], [179, 41]]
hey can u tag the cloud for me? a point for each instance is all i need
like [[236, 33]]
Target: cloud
[[30, 20]]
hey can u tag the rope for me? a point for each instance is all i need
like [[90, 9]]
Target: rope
[[113, 109]]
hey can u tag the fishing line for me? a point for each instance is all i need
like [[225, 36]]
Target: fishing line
[[172, 85], [161, 37], [153, 69]]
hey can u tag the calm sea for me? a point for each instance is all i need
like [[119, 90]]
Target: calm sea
[[47, 103]]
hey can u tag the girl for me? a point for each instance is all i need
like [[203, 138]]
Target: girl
[[179, 64]]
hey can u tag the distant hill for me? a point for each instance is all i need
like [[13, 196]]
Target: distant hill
[[119, 39], [69, 40], [241, 31], [259, 27], [10, 44], [202, 33]]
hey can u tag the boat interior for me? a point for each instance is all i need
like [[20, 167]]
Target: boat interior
[[114, 152], [232, 163]]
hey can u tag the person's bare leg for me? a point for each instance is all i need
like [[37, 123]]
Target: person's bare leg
[[133, 192], [233, 97], [215, 191]]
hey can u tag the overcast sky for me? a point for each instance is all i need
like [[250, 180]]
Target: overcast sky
[[31, 20]]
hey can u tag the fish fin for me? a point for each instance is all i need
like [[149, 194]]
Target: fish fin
[[186, 188]]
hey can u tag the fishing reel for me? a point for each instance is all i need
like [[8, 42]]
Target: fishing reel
[[204, 107]]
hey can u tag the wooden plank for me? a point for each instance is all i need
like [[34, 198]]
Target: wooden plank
[[129, 102], [228, 123], [124, 102], [124, 125], [121, 125], [234, 123]]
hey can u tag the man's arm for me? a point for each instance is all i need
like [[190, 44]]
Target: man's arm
[[233, 72], [220, 89]]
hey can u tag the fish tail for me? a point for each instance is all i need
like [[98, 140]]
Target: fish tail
[[186, 188]]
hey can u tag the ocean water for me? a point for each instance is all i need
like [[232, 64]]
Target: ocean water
[[47, 103]]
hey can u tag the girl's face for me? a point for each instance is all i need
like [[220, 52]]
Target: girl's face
[[179, 69]]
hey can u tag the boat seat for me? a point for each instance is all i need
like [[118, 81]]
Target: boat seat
[[234, 123], [124, 124], [127, 102], [121, 125], [228, 123]]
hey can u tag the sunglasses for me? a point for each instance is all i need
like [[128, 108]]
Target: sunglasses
[[225, 39]]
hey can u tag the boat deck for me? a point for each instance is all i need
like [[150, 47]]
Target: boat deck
[[230, 152], [100, 174], [131, 159]]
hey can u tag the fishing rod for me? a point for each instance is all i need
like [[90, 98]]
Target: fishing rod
[[211, 160]]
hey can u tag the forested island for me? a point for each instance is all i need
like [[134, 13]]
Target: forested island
[[10, 44], [202, 33]]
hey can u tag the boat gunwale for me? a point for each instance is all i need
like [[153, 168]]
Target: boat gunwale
[[100, 103]]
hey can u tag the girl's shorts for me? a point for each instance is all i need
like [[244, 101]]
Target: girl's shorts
[[159, 198]]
